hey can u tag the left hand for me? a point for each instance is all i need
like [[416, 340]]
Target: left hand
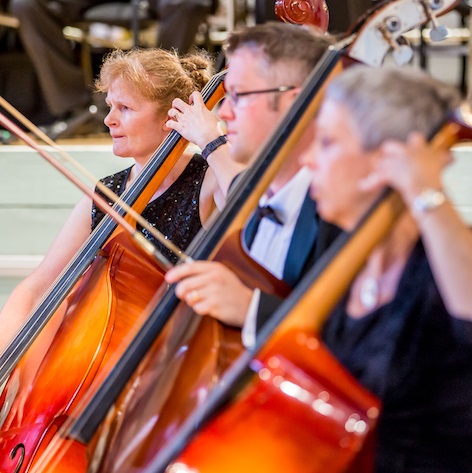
[[210, 288], [194, 121]]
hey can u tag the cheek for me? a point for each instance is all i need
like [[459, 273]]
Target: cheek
[[332, 179], [144, 130], [248, 132]]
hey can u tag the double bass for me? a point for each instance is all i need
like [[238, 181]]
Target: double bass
[[147, 338], [111, 264]]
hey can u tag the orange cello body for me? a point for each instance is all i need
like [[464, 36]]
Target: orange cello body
[[186, 361], [300, 413], [101, 312]]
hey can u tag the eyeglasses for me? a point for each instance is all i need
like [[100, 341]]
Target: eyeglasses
[[234, 96]]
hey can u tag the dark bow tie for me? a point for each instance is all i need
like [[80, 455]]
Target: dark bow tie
[[251, 229]]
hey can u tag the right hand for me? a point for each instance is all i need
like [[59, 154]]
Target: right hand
[[210, 288], [408, 167]]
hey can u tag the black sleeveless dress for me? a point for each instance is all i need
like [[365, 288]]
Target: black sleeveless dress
[[175, 213], [417, 358]]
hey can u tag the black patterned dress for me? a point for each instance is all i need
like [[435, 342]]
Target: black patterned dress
[[175, 213]]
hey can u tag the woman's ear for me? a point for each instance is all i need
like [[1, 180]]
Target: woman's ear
[[371, 182], [164, 126]]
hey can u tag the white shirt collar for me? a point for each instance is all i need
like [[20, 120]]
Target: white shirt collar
[[288, 201]]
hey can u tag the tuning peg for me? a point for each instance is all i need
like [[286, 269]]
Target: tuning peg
[[402, 53], [438, 32]]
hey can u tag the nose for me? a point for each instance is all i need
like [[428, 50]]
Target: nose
[[110, 119], [226, 111]]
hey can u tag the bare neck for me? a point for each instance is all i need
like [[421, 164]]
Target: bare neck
[[285, 174]]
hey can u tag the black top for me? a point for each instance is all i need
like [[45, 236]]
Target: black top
[[418, 360], [175, 213]]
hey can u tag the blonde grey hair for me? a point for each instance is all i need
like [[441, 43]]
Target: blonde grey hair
[[158, 75], [390, 102]]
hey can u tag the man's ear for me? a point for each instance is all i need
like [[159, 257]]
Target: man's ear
[[290, 95], [294, 92]]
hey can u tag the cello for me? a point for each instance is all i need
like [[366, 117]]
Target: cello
[[94, 338], [144, 340]]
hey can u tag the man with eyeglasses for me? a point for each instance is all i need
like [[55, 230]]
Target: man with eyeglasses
[[267, 66]]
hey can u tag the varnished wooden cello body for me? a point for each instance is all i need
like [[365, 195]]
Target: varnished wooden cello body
[[101, 312], [210, 353]]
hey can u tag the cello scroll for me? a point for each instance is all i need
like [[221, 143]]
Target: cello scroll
[[303, 12]]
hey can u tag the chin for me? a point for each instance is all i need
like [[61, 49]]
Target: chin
[[327, 214], [322, 211], [239, 157], [117, 151]]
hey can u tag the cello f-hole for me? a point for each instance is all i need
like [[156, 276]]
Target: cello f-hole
[[13, 453]]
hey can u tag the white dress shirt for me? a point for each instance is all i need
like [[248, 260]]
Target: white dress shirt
[[272, 241]]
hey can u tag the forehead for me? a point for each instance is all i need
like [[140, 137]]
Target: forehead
[[333, 115], [121, 91], [248, 67], [120, 87]]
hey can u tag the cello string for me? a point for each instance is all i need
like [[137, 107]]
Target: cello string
[[100, 186], [137, 236]]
